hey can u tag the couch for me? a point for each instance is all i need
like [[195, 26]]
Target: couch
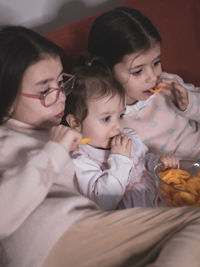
[[178, 22]]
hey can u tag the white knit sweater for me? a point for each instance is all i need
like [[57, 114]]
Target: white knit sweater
[[38, 201]]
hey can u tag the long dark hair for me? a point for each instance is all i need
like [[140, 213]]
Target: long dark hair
[[119, 32], [19, 48]]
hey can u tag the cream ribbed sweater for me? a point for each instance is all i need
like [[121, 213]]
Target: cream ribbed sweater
[[38, 201]]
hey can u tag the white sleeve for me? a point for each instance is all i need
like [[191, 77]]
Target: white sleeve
[[140, 149], [23, 188], [105, 187]]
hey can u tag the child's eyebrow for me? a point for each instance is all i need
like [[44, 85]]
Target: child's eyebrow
[[44, 81], [139, 66], [106, 113], [41, 82]]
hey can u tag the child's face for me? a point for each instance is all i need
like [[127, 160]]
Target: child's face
[[104, 120], [139, 72], [36, 80]]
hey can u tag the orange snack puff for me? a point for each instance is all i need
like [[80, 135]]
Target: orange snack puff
[[156, 90], [85, 140]]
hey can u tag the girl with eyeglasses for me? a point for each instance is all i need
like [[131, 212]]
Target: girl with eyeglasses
[[44, 221]]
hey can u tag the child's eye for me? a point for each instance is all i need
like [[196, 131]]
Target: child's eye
[[156, 63], [136, 73], [45, 91], [106, 119], [121, 115]]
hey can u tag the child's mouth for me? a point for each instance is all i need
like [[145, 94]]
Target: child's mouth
[[153, 90], [156, 89]]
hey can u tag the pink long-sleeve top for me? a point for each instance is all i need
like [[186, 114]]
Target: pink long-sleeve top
[[38, 200], [115, 181], [163, 127]]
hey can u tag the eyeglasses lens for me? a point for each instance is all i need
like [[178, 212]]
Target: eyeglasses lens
[[51, 98]]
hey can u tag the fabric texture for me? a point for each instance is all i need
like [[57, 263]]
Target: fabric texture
[[163, 127], [115, 181], [38, 201], [156, 237]]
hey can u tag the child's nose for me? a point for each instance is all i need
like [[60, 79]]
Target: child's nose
[[152, 76], [62, 96], [117, 128]]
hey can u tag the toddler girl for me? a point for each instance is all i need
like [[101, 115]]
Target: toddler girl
[[114, 168]]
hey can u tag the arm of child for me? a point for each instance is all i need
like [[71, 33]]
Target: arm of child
[[121, 145], [104, 185], [27, 180], [24, 187], [185, 97], [176, 92]]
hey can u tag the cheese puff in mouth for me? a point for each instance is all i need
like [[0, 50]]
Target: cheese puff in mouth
[[156, 90]]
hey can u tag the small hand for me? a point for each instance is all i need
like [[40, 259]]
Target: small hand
[[121, 145], [65, 136], [176, 92], [168, 161]]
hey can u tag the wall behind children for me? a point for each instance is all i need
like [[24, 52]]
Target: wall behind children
[[46, 15]]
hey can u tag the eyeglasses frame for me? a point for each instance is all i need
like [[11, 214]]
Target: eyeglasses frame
[[41, 97]]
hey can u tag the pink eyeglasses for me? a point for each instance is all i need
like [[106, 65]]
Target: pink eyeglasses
[[51, 96]]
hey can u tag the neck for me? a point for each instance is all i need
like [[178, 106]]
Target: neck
[[130, 101]]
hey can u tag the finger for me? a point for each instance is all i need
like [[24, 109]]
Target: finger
[[113, 142], [118, 139], [129, 144], [167, 90], [124, 140], [167, 81]]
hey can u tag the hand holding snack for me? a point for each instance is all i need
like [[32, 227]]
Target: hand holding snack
[[67, 137], [176, 92], [121, 145]]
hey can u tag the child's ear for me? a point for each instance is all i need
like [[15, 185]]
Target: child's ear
[[73, 122]]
